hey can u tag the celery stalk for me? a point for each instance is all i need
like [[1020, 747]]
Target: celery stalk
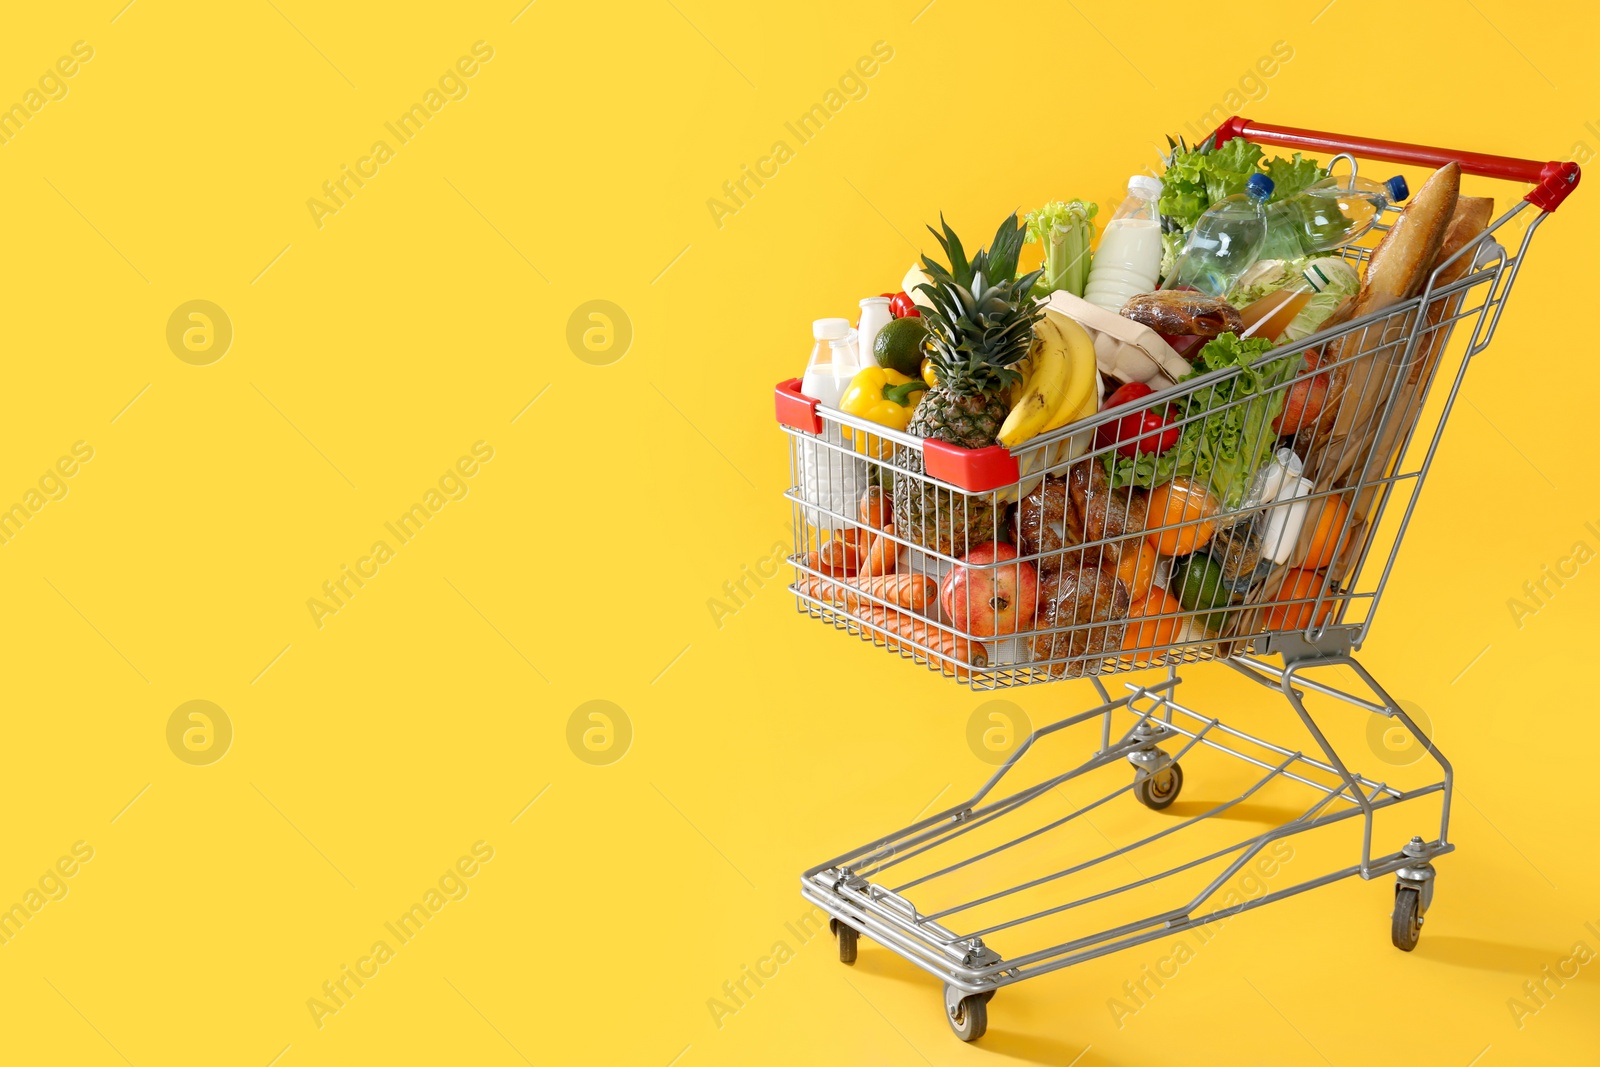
[[1065, 230]]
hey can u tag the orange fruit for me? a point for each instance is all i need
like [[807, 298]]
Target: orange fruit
[[1328, 516], [1177, 502], [1137, 568], [1299, 584], [1153, 633]]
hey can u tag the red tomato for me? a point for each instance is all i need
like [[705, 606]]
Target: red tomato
[[902, 306]]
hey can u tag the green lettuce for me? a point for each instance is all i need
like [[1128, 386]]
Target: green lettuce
[[1227, 432], [1198, 177], [1290, 176]]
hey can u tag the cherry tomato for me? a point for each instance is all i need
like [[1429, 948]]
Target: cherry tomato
[[902, 306], [1151, 432]]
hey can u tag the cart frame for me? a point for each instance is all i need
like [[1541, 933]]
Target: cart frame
[[863, 892]]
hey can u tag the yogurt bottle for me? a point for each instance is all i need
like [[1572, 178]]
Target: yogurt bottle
[[1128, 261], [833, 476], [874, 317]]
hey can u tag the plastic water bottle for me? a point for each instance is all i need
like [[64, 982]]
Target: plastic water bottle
[[1128, 261], [1225, 242], [1328, 214]]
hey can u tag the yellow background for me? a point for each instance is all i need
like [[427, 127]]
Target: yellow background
[[370, 353]]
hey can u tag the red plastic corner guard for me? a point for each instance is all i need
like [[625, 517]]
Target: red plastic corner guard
[[795, 409], [977, 470], [1557, 181], [1552, 181]]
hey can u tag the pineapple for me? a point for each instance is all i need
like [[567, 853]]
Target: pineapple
[[980, 328]]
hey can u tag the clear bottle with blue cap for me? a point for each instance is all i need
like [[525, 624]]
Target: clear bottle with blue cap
[[1225, 242], [1328, 214]]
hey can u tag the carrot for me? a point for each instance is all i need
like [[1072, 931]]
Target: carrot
[[820, 589], [875, 507], [953, 654], [839, 557], [914, 591], [883, 554]]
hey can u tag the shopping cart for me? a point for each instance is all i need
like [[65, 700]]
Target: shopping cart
[[1018, 866]]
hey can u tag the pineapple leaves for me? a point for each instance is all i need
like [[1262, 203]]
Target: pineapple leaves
[[981, 315], [959, 270], [1001, 261]]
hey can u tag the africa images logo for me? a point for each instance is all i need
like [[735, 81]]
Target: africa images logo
[[337, 192]]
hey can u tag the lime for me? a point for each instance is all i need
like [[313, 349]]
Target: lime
[[899, 345], [1200, 587]]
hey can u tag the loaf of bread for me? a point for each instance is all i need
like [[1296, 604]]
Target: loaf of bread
[[1180, 312]]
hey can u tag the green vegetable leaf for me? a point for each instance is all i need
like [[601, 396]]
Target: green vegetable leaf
[[1290, 176], [1227, 430], [1197, 178], [1230, 167]]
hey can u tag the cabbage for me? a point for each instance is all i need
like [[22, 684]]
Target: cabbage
[[1342, 282], [1267, 276]]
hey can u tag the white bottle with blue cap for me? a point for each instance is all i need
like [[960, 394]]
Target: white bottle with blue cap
[[1225, 241]]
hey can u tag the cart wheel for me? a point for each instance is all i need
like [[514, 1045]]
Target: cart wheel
[[848, 938], [970, 1017], [1159, 790], [1406, 927]]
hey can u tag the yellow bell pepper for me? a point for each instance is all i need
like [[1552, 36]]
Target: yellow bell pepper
[[883, 396], [929, 375]]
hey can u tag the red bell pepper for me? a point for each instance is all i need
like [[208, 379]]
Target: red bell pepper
[[902, 306], [1152, 431]]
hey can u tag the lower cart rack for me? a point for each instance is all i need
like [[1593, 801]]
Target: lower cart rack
[[904, 890]]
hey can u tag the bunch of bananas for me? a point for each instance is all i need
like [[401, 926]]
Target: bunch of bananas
[[1059, 385]]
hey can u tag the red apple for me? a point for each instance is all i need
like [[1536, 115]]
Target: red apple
[[1303, 404], [987, 596]]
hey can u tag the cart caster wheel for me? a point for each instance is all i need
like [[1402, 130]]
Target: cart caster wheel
[[848, 940], [1160, 789], [1406, 926], [969, 1015]]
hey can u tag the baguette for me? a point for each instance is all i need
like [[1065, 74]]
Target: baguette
[[1407, 252], [1395, 272], [1471, 218]]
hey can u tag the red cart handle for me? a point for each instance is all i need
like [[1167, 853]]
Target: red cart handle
[[1552, 180]]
